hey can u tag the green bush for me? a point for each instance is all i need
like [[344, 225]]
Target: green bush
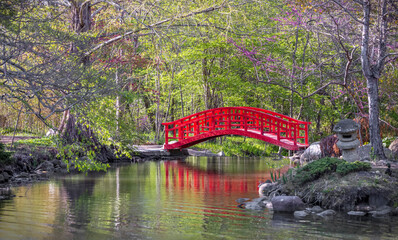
[[316, 169], [348, 167], [5, 157]]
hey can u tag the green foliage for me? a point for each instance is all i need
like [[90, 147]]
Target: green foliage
[[9, 131], [43, 142], [274, 177], [5, 157], [318, 168], [82, 157], [120, 133], [347, 167]]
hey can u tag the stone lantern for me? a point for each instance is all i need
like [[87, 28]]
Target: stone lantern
[[348, 142]]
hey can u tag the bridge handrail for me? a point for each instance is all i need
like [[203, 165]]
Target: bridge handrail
[[278, 120], [244, 108], [277, 114], [194, 120]]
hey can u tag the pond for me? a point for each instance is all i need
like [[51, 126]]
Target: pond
[[181, 199]]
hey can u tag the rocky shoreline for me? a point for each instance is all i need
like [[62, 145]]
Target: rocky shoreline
[[364, 191]]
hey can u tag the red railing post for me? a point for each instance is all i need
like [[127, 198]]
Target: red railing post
[[197, 125], [262, 126], [166, 131], [245, 119], [180, 132], [213, 121], [278, 131], [306, 133], [295, 134]]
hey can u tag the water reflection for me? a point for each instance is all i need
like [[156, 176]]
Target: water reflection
[[194, 198]]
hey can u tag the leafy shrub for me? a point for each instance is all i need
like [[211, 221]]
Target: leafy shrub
[[5, 157], [348, 167], [316, 169]]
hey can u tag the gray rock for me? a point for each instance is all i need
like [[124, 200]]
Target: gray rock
[[300, 214], [260, 199], [221, 154], [287, 203], [268, 204], [2, 179], [253, 206], [242, 200], [356, 213], [364, 153], [205, 153], [327, 213], [315, 209], [381, 212], [313, 152], [394, 149]]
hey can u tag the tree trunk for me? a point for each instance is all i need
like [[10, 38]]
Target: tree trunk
[[371, 74], [80, 22], [374, 124]]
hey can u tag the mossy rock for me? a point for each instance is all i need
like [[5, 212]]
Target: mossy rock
[[347, 192], [328, 165]]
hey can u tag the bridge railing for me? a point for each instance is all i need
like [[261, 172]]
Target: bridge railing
[[251, 119]]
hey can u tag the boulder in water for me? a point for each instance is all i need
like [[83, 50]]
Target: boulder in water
[[287, 204]]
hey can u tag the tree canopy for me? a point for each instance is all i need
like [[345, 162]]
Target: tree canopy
[[128, 66]]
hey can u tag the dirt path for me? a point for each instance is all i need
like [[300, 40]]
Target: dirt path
[[8, 139]]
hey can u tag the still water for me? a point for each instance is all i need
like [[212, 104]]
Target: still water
[[182, 199]]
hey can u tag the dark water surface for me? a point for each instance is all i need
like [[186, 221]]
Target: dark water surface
[[191, 199]]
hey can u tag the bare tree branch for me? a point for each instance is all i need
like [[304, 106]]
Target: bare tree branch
[[149, 27]]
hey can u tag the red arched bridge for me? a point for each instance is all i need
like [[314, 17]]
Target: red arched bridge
[[251, 122]]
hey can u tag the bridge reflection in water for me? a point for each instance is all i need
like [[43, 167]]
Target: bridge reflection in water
[[218, 175]]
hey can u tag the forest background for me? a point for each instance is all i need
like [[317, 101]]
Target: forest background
[[118, 69]]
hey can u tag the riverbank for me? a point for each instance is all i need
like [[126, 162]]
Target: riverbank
[[332, 184], [32, 163]]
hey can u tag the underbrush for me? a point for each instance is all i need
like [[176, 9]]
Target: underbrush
[[84, 156], [5, 156], [241, 146]]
